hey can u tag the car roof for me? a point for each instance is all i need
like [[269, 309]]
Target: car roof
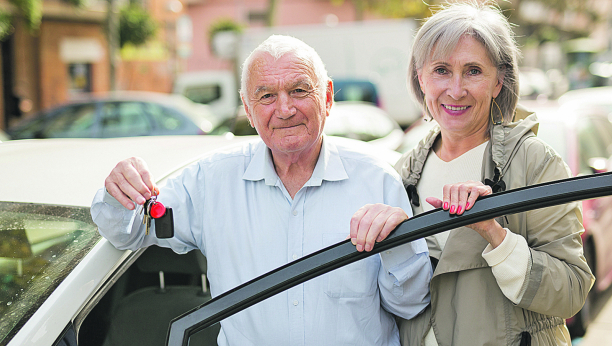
[[70, 171]]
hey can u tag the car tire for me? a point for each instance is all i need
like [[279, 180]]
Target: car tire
[[581, 320]]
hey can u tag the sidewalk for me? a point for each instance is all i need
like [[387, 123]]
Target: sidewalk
[[599, 332]]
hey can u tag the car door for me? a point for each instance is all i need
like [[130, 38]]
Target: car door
[[185, 327]]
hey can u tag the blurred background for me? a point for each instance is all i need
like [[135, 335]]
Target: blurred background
[[59, 51], [125, 68]]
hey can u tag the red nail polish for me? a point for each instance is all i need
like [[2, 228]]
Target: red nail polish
[[445, 205], [452, 209], [467, 205], [459, 210]]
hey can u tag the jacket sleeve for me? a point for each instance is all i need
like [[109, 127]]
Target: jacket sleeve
[[559, 279]]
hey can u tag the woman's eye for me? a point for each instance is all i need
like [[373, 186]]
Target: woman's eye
[[440, 70], [474, 71]]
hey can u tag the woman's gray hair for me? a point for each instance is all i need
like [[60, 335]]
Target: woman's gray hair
[[440, 34], [279, 45]]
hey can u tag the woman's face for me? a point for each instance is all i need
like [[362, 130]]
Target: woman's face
[[459, 88]]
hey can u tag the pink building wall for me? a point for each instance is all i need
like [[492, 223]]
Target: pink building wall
[[288, 12]]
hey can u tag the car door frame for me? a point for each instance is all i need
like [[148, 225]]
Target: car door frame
[[343, 253]]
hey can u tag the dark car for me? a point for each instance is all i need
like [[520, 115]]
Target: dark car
[[119, 114], [349, 89]]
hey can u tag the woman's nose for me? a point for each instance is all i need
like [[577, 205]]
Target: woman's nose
[[456, 88]]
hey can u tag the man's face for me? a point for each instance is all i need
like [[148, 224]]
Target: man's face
[[284, 106]]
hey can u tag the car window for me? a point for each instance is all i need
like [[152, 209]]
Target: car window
[[73, 121], [123, 119], [165, 118], [39, 246], [204, 93]]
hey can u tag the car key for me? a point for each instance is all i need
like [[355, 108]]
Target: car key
[[164, 225]]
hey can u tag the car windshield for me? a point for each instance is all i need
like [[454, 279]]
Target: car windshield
[[39, 246]]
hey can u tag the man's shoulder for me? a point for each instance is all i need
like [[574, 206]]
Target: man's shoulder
[[363, 154]]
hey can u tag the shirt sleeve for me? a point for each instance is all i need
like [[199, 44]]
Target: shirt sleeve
[[405, 270], [510, 263], [124, 228], [404, 279]]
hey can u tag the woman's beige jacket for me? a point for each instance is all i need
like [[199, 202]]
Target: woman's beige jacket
[[467, 305]]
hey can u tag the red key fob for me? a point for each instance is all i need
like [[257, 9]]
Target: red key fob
[[157, 210]]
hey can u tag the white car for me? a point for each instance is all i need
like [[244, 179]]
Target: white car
[[61, 284]]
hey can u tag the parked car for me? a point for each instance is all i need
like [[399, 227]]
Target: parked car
[[62, 284], [348, 89], [119, 114], [350, 119]]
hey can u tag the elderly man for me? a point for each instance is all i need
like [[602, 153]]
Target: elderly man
[[270, 202]]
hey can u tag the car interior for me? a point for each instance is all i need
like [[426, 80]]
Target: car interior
[[159, 286]]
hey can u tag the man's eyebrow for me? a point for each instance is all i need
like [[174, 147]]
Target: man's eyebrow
[[301, 82]]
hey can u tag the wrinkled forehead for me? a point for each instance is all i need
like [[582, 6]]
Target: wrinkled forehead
[[288, 68]]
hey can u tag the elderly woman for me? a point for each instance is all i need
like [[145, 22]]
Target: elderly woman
[[507, 281]]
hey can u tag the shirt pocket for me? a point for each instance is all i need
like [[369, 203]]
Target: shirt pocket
[[355, 280]]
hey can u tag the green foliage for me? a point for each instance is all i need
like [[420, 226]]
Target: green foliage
[[6, 24], [136, 26], [223, 24], [31, 11]]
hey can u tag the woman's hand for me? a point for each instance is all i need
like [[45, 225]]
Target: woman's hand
[[461, 197]]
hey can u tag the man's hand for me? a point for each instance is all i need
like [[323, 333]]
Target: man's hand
[[373, 223], [130, 181]]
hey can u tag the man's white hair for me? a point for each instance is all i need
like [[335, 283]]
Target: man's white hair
[[279, 45]]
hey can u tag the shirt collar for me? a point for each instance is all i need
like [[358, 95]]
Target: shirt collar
[[329, 165]]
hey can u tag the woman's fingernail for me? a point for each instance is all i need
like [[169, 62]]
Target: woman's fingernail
[[445, 205], [452, 209], [467, 205], [459, 210]]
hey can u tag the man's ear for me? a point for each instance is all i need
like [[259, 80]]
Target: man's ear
[[329, 96], [247, 111]]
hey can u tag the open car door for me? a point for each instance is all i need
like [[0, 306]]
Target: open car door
[[343, 253]]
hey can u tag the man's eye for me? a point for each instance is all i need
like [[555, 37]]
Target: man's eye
[[299, 91]]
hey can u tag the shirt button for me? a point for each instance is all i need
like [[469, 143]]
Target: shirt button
[[295, 213], [295, 302], [295, 256]]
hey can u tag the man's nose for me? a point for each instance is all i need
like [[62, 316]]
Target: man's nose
[[456, 88], [285, 107]]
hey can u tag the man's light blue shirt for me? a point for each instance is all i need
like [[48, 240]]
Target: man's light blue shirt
[[234, 208]]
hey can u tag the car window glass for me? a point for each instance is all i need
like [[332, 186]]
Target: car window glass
[[72, 121], [164, 118], [121, 119], [204, 93], [39, 246]]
